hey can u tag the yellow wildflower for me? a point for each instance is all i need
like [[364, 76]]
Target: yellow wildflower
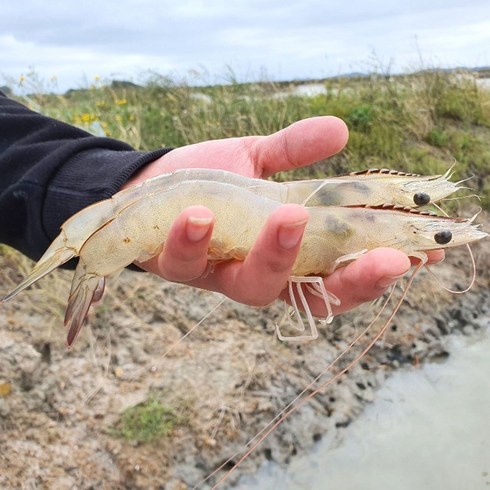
[[86, 117]]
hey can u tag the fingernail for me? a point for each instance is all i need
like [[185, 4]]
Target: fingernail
[[197, 228], [289, 236], [384, 282]]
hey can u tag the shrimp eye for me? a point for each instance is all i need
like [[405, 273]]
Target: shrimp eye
[[443, 237], [421, 198]]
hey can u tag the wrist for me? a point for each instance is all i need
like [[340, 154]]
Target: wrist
[[151, 169]]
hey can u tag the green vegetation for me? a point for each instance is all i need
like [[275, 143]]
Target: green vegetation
[[423, 122], [147, 422]]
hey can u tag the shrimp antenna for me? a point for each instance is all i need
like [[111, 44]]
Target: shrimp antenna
[[439, 208], [318, 189], [465, 180], [284, 413], [449, 172], [301, 398], [454, 291], [461, 197], [472, 258]]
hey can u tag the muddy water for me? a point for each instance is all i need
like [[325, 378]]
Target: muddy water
[[428, 429]]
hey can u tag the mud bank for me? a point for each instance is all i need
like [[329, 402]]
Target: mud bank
[[427, 429], [59, 409]]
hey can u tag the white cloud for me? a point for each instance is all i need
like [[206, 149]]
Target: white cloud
[[312, 38]]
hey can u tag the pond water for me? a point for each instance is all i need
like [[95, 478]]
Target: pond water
[[429, 428]]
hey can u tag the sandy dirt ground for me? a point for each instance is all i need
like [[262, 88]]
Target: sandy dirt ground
[[60, 411]]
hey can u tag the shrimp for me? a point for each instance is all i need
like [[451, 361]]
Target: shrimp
[[127, 230], [369, 187], [373, 187]]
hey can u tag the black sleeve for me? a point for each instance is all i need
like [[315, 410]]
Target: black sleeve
[[50, 170]]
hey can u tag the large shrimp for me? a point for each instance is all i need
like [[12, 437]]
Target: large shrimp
[[370, 187], [373, 187], [128, 230]]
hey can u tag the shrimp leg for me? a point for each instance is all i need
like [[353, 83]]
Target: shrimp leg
[[316, 286]]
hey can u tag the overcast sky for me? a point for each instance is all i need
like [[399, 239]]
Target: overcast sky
[[76, 41]]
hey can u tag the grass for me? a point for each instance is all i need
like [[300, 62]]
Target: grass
[[423, 122], [147, 422]]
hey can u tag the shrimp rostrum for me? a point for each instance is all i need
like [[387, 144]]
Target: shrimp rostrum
[[133, 225]]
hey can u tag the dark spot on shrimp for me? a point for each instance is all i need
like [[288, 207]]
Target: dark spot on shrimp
[[359, 187], [443, 237], [337, 226], [126, 240], [327, 196], [421, 198]]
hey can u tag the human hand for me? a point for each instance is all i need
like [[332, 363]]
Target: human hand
[[262, 277]]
